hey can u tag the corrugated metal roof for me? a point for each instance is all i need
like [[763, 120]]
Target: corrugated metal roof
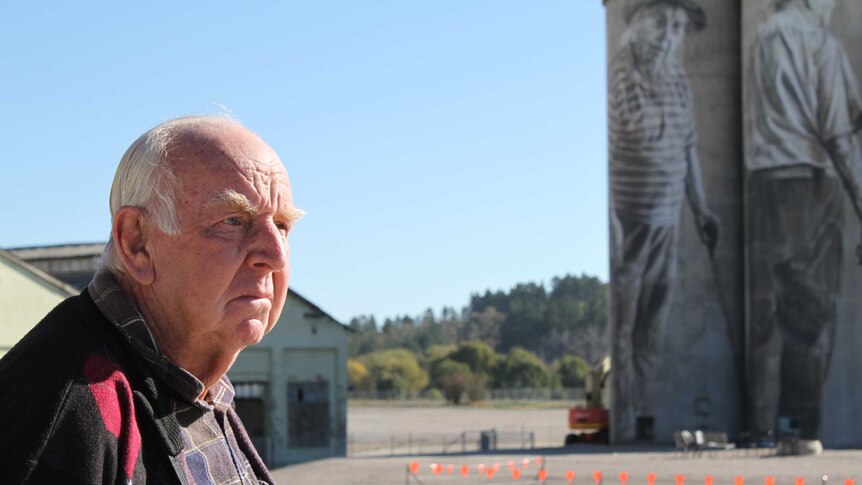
[[59, 251]]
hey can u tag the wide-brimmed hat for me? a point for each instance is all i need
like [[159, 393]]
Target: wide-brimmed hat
[[696, 16]]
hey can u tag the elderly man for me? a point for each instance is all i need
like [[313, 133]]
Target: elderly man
[[804, 113], [125, 383], [654, 165]]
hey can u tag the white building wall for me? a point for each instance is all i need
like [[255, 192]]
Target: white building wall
[[25, 298], [304, 346]]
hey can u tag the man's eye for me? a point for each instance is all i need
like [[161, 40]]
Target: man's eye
[[232, 221], [283, 227]]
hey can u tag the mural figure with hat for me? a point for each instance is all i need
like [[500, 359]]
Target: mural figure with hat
[[654, 167], [804, 112]]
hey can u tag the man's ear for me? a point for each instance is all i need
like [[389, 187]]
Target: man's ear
[[130, 246]]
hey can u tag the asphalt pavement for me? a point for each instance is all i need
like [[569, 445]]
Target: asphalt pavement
[[585, 465]]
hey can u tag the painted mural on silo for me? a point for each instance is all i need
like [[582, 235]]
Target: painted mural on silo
[[803, 203], [673, 361]]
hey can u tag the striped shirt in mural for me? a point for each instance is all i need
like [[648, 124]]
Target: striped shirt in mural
[[651, 128], [211, 453]]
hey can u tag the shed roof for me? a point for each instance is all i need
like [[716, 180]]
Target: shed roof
[[316, 311], [37, 273], [59, 251]]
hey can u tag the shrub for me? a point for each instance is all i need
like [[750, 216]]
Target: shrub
[[572, 371], [479, 356], [520, 368], [395, 370], [357, 375], [454, 378]]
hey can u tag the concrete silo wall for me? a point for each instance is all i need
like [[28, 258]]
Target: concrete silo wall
[[677, 305], [801, 64], [752, 332]]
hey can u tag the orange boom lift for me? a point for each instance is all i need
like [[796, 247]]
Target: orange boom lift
[[590, 424]]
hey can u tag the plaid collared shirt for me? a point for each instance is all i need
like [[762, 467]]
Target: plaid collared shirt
[[210, 451]]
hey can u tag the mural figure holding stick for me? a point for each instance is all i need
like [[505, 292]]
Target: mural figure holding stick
[[805, 108], [654, 165]]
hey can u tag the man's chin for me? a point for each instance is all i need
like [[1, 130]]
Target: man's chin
[[250, 331]]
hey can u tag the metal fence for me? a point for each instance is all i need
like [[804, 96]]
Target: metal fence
[[536, 394], [466, 441]]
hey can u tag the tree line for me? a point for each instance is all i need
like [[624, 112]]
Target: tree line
[[528, 336]]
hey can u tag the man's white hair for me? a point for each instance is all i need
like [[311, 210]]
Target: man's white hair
[[144, 179]]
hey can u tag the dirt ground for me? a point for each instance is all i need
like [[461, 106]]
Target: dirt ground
[[373, 460], [374, 430]]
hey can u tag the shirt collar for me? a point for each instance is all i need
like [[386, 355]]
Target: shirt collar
[[122, 313]]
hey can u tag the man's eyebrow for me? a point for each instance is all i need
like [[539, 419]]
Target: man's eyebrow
[[233, 199], [294, 214]]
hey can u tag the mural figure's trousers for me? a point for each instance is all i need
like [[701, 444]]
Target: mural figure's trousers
[[795, 260], [642, 282]]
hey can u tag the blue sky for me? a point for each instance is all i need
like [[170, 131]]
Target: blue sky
[[439, 147]]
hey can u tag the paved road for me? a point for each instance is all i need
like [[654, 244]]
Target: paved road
[[371, 430], [724, 467]]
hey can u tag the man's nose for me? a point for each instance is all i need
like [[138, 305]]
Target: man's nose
[[268, 247]]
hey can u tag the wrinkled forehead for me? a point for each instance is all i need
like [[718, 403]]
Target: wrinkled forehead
[[214, 146], [224, 157]]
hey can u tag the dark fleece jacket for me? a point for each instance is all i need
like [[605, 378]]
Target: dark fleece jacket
[[78, 407]]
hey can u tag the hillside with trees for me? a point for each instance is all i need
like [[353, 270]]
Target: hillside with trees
[[530, 336]]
